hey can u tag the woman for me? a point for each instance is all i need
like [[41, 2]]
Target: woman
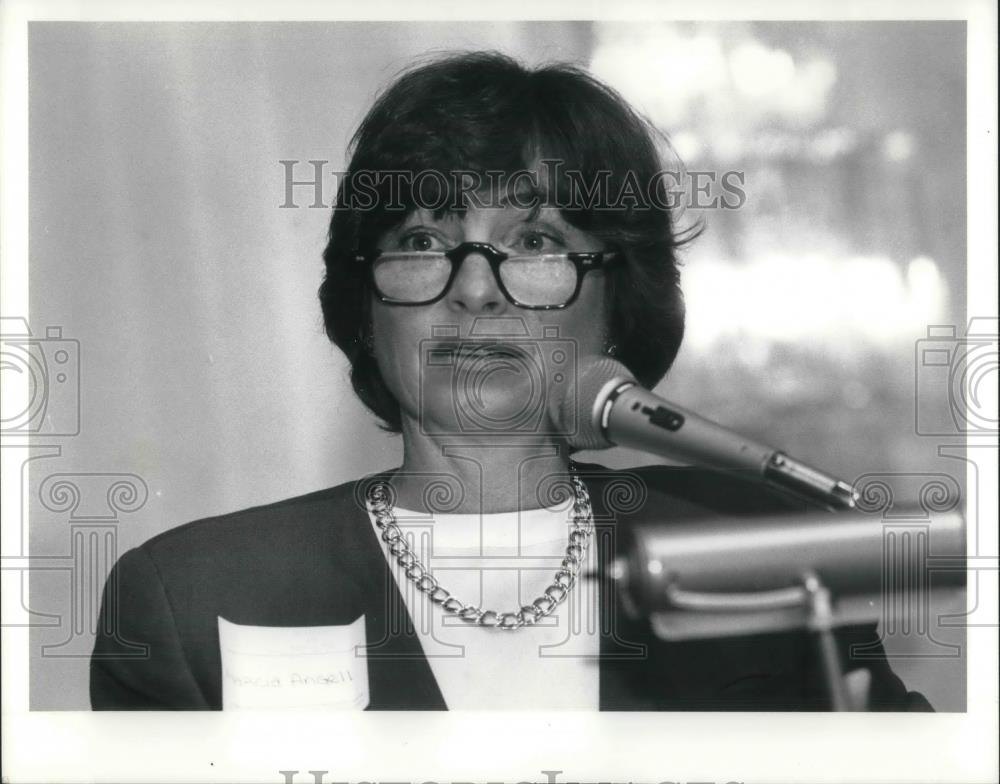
[[496, 226]]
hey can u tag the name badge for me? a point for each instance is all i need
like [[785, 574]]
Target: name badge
[[294, 666]]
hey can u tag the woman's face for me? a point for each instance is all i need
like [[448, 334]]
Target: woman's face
[[431, 356]]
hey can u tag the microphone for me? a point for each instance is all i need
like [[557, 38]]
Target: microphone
[[609, 408]]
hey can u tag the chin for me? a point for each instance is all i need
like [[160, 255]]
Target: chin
[[492, 410]]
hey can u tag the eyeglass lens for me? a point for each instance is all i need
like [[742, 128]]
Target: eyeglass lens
[[542, 280]]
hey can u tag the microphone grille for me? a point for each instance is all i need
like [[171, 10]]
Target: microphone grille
[[587, 396]]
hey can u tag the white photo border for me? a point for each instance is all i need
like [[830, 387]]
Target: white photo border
[[506, 747]]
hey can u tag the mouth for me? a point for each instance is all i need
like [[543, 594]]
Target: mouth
[[479, 349]]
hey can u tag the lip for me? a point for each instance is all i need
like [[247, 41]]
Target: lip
[[479, 348]]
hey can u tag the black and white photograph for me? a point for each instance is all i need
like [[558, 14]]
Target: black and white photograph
[[499, 394]]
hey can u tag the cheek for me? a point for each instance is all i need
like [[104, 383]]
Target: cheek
[[585, 320], [398, 332]]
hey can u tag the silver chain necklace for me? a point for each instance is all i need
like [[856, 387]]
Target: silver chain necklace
[[565, 578]]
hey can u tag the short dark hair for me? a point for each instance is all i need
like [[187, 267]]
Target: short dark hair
[[481, 112]]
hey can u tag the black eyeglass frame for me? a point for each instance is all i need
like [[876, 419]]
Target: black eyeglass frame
[[583, 261]]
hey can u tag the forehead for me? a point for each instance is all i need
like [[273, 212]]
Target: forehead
[[493, 216]]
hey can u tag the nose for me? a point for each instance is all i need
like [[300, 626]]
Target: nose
[[475, 288]]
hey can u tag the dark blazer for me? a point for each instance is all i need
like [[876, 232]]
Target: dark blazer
[[315, 561]]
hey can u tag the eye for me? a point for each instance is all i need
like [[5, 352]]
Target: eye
[[420, 242], [534, 241]]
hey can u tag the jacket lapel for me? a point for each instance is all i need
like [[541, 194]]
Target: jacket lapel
[[399, 676]]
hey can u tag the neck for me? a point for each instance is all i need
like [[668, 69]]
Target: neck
[[478, 476]]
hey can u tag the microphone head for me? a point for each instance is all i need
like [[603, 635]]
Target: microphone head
[[595, 378]]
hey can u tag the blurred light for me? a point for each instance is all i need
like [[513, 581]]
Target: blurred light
[[898, 146], [754, 352], [777, 145], [833, 143], [729, 147], [805, 99], [676, 77], [816, 299], [771, 79], [758, 71], [658, 69], [925, 282], [687, 145]]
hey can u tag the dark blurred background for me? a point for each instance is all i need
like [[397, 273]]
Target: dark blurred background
[[157, 241]]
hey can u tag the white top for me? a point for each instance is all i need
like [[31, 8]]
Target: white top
[[501, 562]]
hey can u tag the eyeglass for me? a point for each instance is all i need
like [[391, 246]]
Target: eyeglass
[[543, 281]]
